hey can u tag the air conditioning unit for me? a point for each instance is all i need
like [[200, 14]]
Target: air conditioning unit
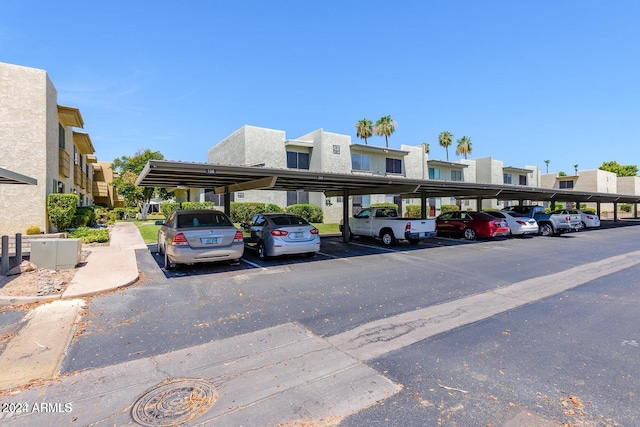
[[56, 254]]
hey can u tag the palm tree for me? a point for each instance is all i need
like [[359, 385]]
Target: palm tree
[[575, 167], [464, 146], [426, 147], [364, 129], [445, 138], [385, 126], [547, 162]]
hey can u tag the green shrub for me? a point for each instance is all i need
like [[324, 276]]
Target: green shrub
[[311, 213], [167, 207], [90, 235], [244, 211], [383, 205], [273, 208], [414, 211], [625, 208], [33, 229], [61, 208], [448, 208], [198, 205]]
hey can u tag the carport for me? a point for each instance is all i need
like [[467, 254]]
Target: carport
[[8, 177], [225, 179]]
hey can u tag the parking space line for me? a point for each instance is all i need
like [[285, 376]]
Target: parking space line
[[253, 264]]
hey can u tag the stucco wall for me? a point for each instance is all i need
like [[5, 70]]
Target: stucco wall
[[628, 185], [27, 98]]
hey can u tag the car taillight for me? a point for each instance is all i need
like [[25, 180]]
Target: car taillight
[[238, 237], [589, 217], [279, 232], [568, 218], [314, 231], [521, 222], [179, 240], [407, 227]]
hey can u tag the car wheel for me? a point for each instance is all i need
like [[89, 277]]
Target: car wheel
[[414, 241], [584, 226], [158, 246], [262, 251], [470, 234], [349, 234], [546, 230], [388, 239], [167, 263]]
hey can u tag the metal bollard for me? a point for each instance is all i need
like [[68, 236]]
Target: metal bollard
[[18, 248], [5, 255]]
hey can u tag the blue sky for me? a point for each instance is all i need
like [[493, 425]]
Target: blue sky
[[527, 81]]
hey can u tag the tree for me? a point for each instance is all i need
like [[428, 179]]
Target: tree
[[129, 168], [464, 146], [575, 168], [385, 126], [547, 163], [618, 169], [364, 129], [445, 139], [426, 147]]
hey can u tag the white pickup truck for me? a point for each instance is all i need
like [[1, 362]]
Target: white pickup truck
[[383, 222]]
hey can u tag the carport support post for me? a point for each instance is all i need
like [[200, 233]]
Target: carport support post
[[19, 248], [227, 204], [635, 210], [553, 205], [423, 205], [5, 255], [598, 210], [615, 211], [478, 204], [345, 216]]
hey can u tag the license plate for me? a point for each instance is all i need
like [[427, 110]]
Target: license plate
[[210, 240], [297, 235]]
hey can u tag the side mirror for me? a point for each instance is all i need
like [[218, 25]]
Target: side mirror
[[159, 222]]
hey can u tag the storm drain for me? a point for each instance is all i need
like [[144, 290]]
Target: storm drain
[[174, 402]]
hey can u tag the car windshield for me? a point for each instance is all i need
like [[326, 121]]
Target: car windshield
[[206, 219], [288, 220]]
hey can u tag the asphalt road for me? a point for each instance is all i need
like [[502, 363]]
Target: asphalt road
[[572, 357]]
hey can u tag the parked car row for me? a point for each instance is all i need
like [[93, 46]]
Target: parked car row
[[515, 221], [196, 236]]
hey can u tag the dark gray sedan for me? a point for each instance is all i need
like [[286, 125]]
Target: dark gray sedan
[[195, 236], [274, 234]]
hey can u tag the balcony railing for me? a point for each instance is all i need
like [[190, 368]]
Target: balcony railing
[[64, 163], [100, 189], [77, 175]]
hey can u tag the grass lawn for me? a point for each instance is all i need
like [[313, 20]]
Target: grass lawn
[[149, 230]]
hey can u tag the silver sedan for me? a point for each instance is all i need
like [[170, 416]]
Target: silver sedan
[[275, 234], [195, 236]]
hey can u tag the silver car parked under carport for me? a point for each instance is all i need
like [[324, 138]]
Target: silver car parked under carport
[[195, 236], [275, 234]]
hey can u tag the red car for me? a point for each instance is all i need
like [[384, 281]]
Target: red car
[[471, 225]]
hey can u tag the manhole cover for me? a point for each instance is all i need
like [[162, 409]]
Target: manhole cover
[[174, 402]]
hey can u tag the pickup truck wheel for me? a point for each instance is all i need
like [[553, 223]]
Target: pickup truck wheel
[[546, 229], [470, 234], [414, 241], [388, 238]]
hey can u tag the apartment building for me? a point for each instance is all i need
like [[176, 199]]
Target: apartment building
[[324, 151], [39, 138], [595, 180]]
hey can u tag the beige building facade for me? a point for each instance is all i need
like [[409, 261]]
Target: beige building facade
[[39, 139]]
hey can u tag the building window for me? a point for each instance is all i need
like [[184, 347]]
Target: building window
[[506, 178], [297, 197], [566, 184], [297, 160], [522, 180], [394, 165], [60, 136], [456, 175], [336, 149], [360, 162], [434, 173]]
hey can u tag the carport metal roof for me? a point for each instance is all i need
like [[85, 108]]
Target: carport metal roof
[[8, 177], [229, 179]]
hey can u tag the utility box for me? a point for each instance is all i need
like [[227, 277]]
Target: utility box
[[56, 254]]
